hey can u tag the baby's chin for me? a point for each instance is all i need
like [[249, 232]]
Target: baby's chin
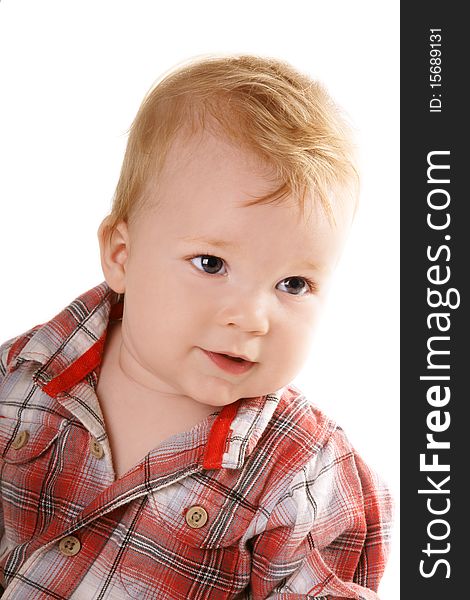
[[220, 394]]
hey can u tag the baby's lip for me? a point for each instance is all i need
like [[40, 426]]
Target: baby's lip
[[232, 363], [232, 354]]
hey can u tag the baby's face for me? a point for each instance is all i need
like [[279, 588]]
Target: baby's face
[[206, 276]]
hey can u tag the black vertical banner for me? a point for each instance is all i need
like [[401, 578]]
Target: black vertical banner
[[435, 258]]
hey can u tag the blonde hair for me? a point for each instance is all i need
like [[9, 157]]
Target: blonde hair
[[262, 104]]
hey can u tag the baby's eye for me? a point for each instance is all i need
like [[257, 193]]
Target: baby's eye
[[208, 264], [297, 286]]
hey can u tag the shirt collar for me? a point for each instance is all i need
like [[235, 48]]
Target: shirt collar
[[70, 346]]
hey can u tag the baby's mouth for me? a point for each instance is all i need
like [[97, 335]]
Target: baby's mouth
[[233, 364], [235, 358]]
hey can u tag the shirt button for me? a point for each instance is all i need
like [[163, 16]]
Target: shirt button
[[96, 448], [21, 439], [70, 545], [196, 517]]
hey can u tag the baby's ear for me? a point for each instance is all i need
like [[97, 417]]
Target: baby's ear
[[114, 251]]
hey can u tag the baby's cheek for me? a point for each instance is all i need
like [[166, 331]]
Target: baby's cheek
[[282, 363], [296, 347]]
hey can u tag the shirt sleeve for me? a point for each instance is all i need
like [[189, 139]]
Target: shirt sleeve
[[4, 351], [328, 534], [3, 368]]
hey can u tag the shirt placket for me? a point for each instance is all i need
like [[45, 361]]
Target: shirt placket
[[64, 553]]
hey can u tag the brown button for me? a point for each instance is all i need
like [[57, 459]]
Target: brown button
[[196, 517], [96, 448], [21, 439], [70, 545]]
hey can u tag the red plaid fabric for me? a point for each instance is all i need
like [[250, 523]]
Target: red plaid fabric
[[285, 508]]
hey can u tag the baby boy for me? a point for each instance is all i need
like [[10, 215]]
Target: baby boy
[[152, 445]]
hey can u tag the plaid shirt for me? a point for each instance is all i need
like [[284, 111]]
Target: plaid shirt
[[265, 498]]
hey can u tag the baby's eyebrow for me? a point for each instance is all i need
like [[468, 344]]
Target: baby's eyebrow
[[210, 241], [310, 265]]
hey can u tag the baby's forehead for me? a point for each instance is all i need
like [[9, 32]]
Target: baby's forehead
[[232, 225], [210, 150], [211, 147], [214, 186]]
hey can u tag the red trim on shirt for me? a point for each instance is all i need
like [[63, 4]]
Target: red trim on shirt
[[77, 370], [218, 436]]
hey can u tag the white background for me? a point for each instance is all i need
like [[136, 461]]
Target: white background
[[73, 75]]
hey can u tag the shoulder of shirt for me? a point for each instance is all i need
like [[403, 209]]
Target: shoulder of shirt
[[11, 348], [63, 341], [299, 433], [331, 471], [321, 446], [300, 446], [313, 428]]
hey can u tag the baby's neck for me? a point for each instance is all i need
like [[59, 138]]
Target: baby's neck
[[137, 418], [123, 377]]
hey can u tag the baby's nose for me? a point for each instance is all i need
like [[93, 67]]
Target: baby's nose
[[247, 311]]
